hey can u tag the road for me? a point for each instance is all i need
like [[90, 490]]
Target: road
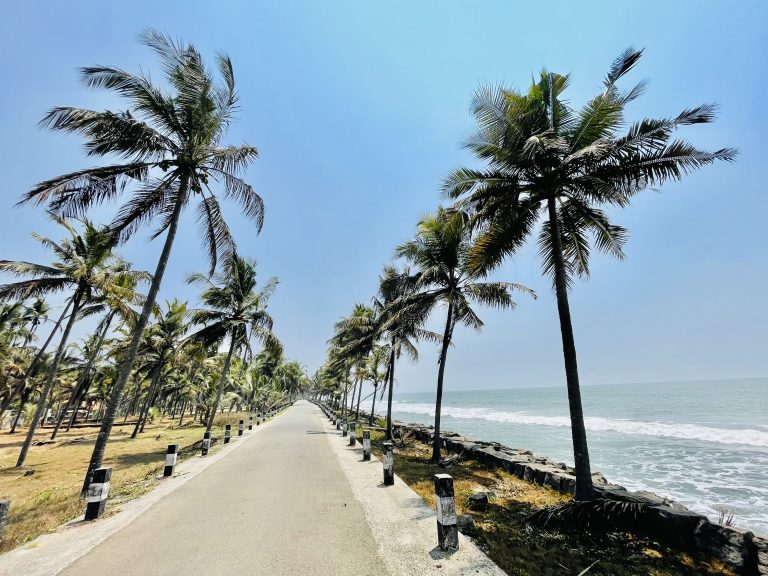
[[278, 505]]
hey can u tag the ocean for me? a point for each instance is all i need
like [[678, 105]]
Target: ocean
[[703, 444]]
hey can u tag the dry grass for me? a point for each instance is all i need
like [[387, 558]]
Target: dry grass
[[521, 549], [50, 496]]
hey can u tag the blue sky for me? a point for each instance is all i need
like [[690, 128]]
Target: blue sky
[[359, 110]]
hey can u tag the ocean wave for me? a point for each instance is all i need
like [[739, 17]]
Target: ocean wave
[[748, 437]]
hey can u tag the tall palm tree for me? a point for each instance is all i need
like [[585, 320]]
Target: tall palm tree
[[551, 163], [440, 255], [86, 265], [401, 330], [236, 311], [172, 145]]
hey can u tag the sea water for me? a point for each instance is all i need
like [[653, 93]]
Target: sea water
[[703, 444]]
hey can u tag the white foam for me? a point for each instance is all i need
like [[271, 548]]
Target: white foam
[[747, 437]]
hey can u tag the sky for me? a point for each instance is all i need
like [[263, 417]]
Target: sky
[[359, 111]]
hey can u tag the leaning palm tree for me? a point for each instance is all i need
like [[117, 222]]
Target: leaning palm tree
[[87, 266], [171, 141], [551, 163], [443, 277], [236, 311]]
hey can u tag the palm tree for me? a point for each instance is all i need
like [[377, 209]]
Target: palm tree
[[549, 162], [443, 277], [378, 359], [86, 265], [235, 311], [402, 331], [171, 143]]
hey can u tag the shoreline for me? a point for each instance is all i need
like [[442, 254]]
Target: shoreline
[[670, 522]]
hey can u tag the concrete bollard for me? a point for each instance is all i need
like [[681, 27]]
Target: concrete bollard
[[227, 433], [5, 507], [389, 464], [338, 423], [240, 427], [352, 433], [206, 444], [171, 455], [447, 529], [366, 444], [250, 423], [258, 419], [98, 491], [343, 427]]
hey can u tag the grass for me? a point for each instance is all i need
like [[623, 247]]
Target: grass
[[50, 496], [522, 549]]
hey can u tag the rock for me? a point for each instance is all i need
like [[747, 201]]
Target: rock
[[674, 527], [466, 525], [478, 502], [761, 551], [598, 479], [611, 492], [732, 546]]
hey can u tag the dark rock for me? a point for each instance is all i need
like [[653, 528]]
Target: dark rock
[[674, 527], [761, 552], [466, 525], [732, 546], [478, 502]]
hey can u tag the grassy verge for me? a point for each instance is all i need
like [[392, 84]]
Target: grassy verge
[[522, 549], [45, 493]]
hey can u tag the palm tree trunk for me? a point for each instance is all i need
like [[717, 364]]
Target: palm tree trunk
[[127, 365], [344, 400], [359, 393], [373, 406], [147, 401], [20, 386], [86, 371], [391, 386], [50, 378], [222, 381], [22, 401], [440, 372], [584, 489]]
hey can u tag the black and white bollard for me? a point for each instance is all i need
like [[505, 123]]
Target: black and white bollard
[[389, 464], [98, 491], [250, 423], [240, 427], [338, 423], [171, 455], [447, 529], [352, 433], [5, 507], [343, 427], [227, 433], [258, 419], [206, 443], [366, 444]]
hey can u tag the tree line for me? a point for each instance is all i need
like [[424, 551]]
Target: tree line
[[164, 154], [549, 172]]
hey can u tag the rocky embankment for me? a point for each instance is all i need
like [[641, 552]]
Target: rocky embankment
[[659, 517]]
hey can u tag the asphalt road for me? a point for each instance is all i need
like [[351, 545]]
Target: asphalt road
[[278, 505]]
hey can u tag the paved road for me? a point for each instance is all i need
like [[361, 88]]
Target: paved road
[[278, 505]]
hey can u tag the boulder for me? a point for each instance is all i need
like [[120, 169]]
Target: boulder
[[612, 492], [732, 546], [478, 502], [761, 553]]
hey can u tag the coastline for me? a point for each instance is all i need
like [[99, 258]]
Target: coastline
[[669, 522]]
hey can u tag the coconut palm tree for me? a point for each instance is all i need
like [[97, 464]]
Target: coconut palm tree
[[236, 311], [551, 163], [172, 145], [442, 277], [86, 265], [401, 330]]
